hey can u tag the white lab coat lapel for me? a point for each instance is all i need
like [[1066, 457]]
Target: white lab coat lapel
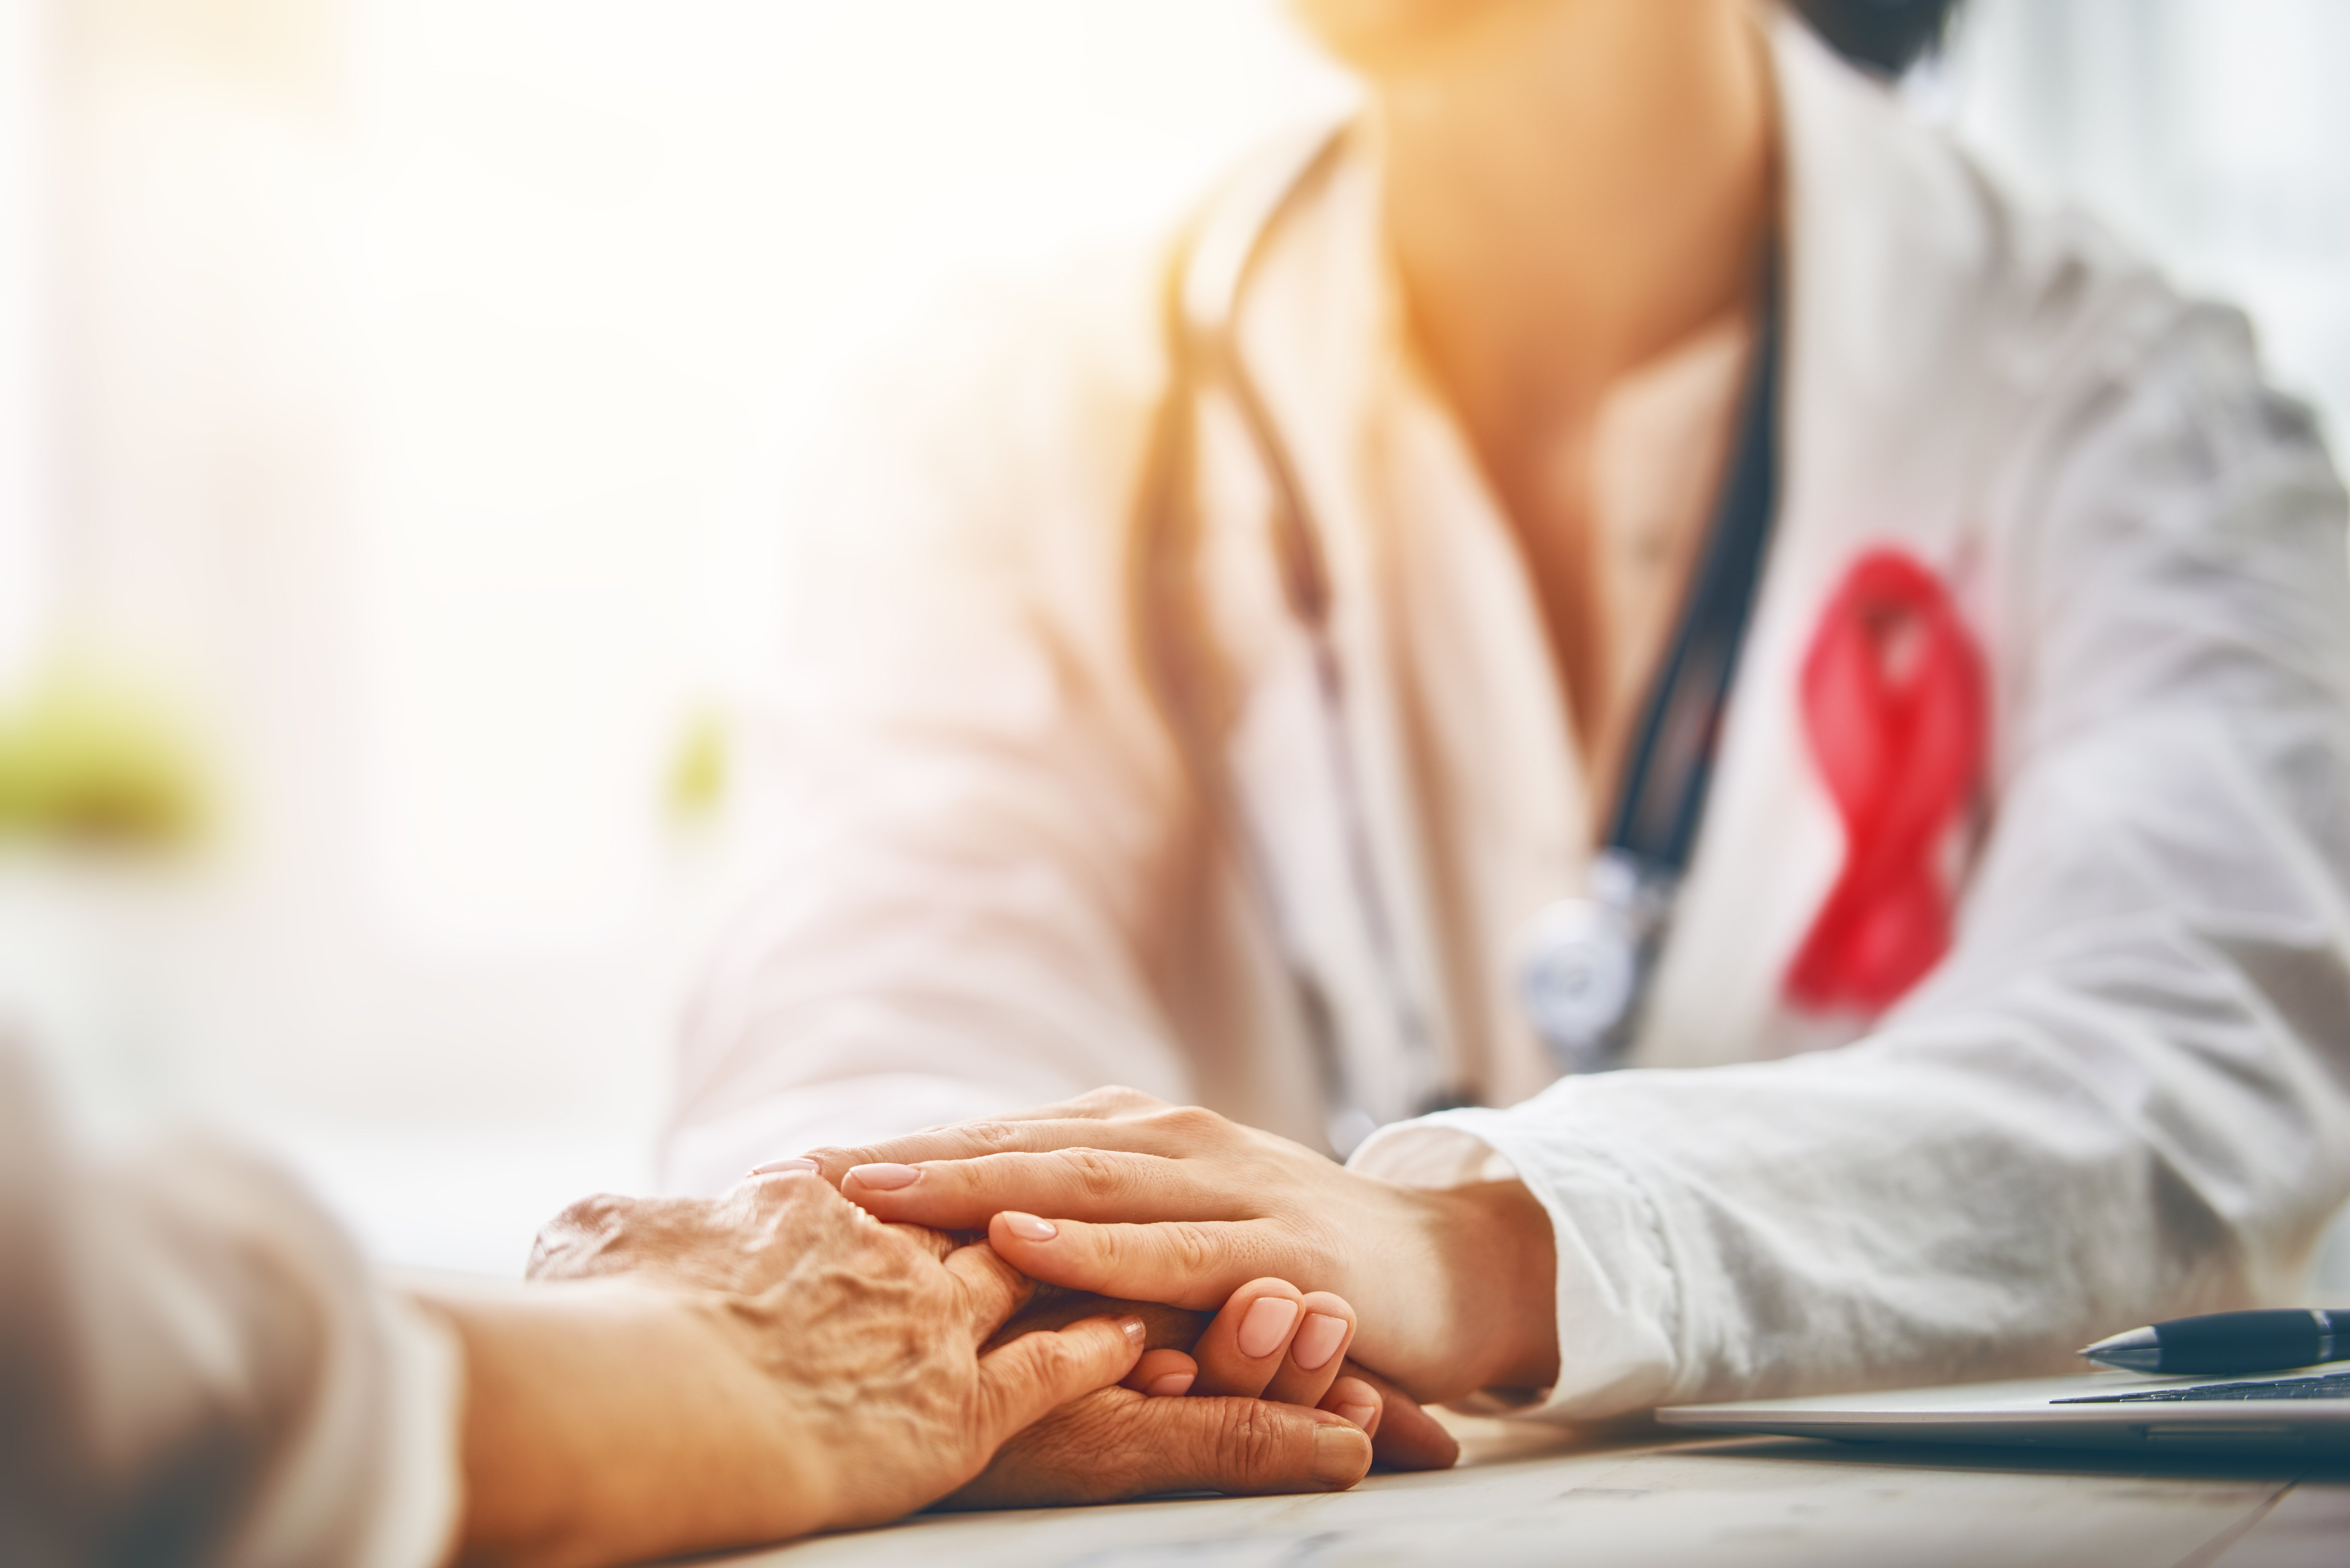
[[1312, 332], [1877, 447]]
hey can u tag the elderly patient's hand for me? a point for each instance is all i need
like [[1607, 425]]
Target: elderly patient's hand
[[852, 1322], [1120, 1193], [715, 1374]]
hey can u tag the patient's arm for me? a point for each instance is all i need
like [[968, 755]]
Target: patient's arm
[[795, 1367], [197, 1367], [1111, 1443]]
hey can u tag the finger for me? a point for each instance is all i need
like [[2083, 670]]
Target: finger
[[1182, 1263], [766, 1193], [1110, 1101], [1409, 1438], [1082, 1183], [582, 1239], [1244, 1345], [936, 1243], [992, 1289], [1357, 1403], [1310, 1366], [1165, 1327], [800, 1167], [1162, 1375], [1172, 1134], [1117, 1444], [1038, 1371]]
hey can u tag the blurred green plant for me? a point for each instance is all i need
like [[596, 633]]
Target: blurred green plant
[[88, 763], [698, 771]]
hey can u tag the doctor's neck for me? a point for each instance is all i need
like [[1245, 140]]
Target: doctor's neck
[[1571, 186]]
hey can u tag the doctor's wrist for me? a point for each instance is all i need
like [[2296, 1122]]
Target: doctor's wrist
[[1500, 1262]]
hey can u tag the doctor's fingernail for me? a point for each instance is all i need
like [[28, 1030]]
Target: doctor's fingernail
[[1028, 1228], [1266, 1325], [1358, 1415], [1173, 1385], [784, 1166], [1317, 1342], [885, 1178], [1135, 1330]]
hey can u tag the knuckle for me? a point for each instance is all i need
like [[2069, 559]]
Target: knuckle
[[836, 1163], [1096, 1173], [1084, 1433], [1121, 1247], [991, 1135], [573, 1243], [1118, 1097], [1192, 1123], [1250, 1447], [595, 1213], [1191, 1248], [1061, 1358]]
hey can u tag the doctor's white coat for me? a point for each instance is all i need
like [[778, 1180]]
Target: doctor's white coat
[[2125, 1092]]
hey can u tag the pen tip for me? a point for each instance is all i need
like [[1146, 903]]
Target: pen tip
[[2139, 1350]]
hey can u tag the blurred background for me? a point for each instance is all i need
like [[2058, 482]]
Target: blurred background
[[395, 396]]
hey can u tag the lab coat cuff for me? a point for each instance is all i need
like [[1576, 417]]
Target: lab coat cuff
[[1619, 1297]]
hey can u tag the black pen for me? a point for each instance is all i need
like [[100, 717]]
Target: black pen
[[2269, 1340]]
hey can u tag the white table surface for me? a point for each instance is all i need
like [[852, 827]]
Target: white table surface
[[1526, 1496]]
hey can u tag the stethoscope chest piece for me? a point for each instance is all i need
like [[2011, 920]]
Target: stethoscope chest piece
[[1583, 966], [1583, 962]]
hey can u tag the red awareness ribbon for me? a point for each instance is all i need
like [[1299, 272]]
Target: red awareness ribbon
[[1894, 707]]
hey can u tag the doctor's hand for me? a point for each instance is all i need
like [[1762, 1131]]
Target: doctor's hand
[[1119, 1193]]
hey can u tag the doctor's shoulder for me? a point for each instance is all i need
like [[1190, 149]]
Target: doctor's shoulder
[[2102, 373], [2156, 524], [1009, 396]]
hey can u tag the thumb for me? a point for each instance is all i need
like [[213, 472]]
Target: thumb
[[1021, 1381]]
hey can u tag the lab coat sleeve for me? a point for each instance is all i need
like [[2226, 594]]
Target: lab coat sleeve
[[2123, 1094], [970, 792], [195, 1367]]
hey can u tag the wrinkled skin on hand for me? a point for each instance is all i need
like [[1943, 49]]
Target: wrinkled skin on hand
[[893, 1289], [868, 1335], [1114, 1443]]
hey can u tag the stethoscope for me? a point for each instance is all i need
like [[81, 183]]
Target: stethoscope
[[1586, 963]]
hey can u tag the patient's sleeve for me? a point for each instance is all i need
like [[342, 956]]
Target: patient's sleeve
[[195, 1367]]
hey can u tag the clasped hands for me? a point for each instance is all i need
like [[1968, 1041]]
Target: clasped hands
[[1123, 1196], [828, 1345]]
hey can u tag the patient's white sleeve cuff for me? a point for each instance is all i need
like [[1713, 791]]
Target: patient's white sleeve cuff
[[1619, 1297], [416, 1515]]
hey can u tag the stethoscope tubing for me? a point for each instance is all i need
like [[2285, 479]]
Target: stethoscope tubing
[[1213, 274]]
